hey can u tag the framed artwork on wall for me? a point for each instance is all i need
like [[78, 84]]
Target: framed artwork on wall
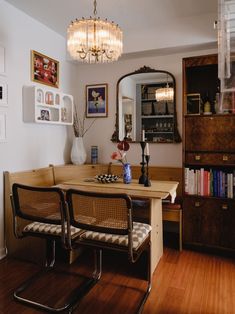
[[44, 70], [3, 93], [97, 101], [3, 136]]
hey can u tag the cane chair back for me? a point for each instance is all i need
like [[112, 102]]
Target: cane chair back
[[100, 212], [42, 204], [44, 209]]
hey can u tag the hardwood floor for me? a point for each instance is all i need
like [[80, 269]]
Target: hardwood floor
[[186, 282]]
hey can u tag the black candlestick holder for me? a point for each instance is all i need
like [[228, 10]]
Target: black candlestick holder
[[143, 177], [147, 181]]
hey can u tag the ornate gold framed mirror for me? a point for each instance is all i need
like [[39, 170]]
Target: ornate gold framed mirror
[[146, 104]]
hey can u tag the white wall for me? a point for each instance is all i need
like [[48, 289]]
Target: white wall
[[29, 145], [103, 128]]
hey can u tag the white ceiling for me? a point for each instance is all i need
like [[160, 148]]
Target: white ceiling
[[146, 24]]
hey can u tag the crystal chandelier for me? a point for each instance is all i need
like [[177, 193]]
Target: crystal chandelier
[[94, 40], [165, 93]]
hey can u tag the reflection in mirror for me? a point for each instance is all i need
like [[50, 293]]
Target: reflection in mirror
[[146, 102]]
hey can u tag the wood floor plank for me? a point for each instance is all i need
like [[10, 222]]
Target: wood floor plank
[[183, 283]]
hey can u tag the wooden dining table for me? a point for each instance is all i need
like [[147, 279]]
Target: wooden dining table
[[155, 193]]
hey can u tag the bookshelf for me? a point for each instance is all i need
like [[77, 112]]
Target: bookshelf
[[208, 160]]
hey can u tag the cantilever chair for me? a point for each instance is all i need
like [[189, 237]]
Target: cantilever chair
[[107, 219], [45, 210]]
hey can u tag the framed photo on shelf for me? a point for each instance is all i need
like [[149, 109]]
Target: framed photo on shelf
[[97, 101], [3, 136], [44, 115], [3, 93], [44, 70], [193, 103]]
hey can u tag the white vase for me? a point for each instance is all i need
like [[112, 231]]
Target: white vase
[[78, 152]]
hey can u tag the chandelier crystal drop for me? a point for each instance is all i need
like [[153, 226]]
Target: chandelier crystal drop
[[94, 40]]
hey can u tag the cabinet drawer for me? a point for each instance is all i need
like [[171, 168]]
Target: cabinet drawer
[[214, 159]]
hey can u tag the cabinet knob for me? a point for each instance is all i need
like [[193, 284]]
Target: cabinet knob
[[197, 204], [224, 206], [225, 158], [197, 157]]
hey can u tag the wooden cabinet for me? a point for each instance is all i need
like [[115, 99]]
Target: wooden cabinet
[[209, 222], [208, 161]]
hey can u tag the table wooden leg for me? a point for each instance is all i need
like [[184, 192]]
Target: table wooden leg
[[156, 233]]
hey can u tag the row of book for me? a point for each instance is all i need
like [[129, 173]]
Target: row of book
[[210, 182]]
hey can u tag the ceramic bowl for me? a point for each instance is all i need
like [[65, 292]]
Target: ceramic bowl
[[106, 178]]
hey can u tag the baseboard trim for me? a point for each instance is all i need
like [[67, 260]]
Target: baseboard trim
[[3, 253]]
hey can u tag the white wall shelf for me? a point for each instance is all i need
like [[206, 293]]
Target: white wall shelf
[[44, 105]]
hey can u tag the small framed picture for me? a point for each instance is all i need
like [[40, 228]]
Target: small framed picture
[[44, 70], [45, 115], [97, 101], [193, 103], [3, 136], [3, 94]]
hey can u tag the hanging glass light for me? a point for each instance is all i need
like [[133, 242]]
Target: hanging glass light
[[165, 93], [94, 40]]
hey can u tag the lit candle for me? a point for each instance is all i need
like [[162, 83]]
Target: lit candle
[[147, 149], [143, 135]]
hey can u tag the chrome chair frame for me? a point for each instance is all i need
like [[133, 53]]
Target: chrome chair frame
[[63, 220], [132, 254]]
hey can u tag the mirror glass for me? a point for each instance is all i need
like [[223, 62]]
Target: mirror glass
[[146, 107]]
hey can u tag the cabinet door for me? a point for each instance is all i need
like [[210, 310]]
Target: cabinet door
[[192, 220], [203, 133], [211, 223], [227, 238]]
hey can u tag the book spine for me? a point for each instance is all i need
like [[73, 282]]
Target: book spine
[[211, 183], [215, 183], [186, 180], [233, 183], [202, 181]]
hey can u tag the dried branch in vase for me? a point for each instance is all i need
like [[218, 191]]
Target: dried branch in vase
[[79, 124]]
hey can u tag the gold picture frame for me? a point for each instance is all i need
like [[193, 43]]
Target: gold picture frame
[[44, 69]]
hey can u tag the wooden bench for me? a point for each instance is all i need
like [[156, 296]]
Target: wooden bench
[[53, 175]]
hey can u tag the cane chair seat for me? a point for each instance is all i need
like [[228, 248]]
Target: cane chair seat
[[139, 234], [49, 229]]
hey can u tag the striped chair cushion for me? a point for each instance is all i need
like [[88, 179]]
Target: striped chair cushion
[[50, 229], [139, 234]]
